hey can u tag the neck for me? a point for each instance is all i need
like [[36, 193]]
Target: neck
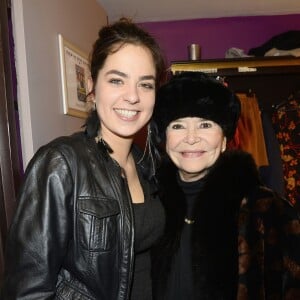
[[190, 177]]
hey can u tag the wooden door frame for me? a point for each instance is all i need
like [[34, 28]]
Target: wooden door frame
[[10, 166]]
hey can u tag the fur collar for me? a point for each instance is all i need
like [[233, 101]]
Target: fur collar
[[232, 178], [233, 169]]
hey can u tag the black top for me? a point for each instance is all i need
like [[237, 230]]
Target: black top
[[149, 220], [180, 284]]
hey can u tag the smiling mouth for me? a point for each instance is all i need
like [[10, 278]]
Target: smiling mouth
[[191, 154], [126, 113]]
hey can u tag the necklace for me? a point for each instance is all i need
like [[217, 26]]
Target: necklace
[[189, 221]]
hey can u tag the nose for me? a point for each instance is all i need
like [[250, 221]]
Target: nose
[[131, 95], [192, 137]]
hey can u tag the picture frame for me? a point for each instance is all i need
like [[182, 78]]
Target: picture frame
[[74, 69]]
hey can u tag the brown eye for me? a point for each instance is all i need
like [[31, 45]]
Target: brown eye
[[148, 86], [205, 125], [176, 126], [115, 81]]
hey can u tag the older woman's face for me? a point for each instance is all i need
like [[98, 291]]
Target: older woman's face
[[194, 145]]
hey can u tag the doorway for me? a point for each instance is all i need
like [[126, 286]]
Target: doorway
[[10, 159]]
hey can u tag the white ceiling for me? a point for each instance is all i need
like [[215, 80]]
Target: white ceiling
[[167, 10]]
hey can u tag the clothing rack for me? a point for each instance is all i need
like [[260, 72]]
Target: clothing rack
[[272, 78], [249, 92]]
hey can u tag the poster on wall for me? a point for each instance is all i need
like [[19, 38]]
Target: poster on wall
[[74, 67]]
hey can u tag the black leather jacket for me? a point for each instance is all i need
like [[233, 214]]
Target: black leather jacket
[[72, 235]]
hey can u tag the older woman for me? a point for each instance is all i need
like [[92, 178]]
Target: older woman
[[226, 235]]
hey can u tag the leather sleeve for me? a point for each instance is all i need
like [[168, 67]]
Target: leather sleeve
[[38, 236]]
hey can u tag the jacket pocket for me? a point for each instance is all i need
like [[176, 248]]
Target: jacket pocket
[[97, 223], [71, 290]]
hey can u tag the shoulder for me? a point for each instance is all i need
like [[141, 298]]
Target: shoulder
[[239, 164], [63, 149], [76, 142], [235, 173]]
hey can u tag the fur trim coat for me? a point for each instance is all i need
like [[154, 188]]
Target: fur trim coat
[[250, 237]]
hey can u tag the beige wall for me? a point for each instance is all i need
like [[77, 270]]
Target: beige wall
[[36, 25]]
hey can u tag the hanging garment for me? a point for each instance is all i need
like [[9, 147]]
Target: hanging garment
[[286, 123], [250, 131], [272, 175]]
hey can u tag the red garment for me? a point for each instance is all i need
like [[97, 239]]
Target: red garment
[[249, 135]]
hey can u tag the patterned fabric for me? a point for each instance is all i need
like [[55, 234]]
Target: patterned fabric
[[261, 260], [286, 122]]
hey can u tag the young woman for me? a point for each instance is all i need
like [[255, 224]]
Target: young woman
[[88, 205], [227, 237]]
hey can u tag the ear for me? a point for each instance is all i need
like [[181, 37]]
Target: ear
[[224, 144], [90, 85]]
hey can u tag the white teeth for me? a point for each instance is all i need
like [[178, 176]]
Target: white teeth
[[126, 113]]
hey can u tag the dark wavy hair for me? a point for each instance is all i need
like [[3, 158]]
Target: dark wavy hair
[[117, 34]]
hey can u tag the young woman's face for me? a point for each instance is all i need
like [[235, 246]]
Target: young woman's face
[[194, 145], [125, 91]]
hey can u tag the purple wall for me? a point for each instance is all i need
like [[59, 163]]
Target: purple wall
[[218, 35]]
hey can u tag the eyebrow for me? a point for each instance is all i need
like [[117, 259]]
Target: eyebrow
[[122, 74]]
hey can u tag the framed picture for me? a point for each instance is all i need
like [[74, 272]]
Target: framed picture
[[74, 67]]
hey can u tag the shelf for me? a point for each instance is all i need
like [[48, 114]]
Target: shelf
[[240, 66]]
